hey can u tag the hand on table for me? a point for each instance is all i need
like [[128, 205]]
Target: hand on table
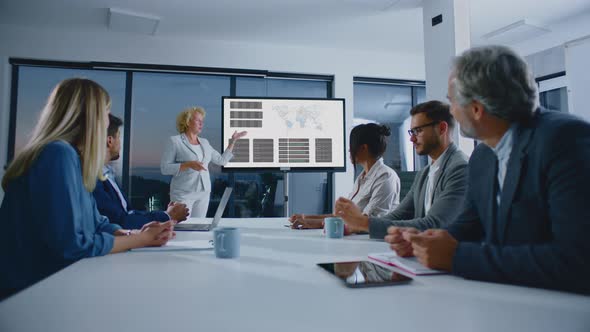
[[434, 248], [299, 221], [397, 242]]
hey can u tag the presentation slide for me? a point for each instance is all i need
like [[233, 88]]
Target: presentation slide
[[289, 134]]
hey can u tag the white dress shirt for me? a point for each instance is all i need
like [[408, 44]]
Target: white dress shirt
[[502, 151], [109, 173], [198, 149], [432, 173], [376, 192]]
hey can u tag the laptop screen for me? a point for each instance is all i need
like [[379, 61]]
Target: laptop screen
[[221, 207]]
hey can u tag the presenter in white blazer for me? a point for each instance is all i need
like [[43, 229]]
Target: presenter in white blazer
[[187, 156]]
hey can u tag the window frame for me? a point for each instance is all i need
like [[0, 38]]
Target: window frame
[[129, 69], [412, 84]]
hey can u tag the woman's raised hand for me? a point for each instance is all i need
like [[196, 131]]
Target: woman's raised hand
[[236, 136]]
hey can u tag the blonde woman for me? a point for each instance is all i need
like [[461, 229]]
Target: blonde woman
[[187, 157], [48, 206]]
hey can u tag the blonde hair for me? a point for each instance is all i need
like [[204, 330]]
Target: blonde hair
[[76, 112], [183, 119]]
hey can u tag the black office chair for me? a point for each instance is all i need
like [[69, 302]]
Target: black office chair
[[406, 180], [269, 190]]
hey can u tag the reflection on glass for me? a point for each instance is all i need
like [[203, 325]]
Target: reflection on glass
[[420, 95], [419, 161], [554, 100], [157, 99], [35, 85], [389, 105], [364, 273]]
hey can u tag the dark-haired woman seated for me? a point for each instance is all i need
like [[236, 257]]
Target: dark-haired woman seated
[[376, 189]]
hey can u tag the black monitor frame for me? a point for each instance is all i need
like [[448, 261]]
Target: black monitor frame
[[287, 169]]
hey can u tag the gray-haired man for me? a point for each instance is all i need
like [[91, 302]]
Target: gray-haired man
[[526, 218]]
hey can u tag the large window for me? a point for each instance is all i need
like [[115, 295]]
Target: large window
[[389, 103], [157, 100], [150, 101], [35, 85], [553, 93]]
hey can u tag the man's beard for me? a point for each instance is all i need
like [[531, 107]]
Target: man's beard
[[468, 132], [428, 147]]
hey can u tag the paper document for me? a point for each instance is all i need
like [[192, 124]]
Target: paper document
[[197, 221], [409, 264], [180, 245]]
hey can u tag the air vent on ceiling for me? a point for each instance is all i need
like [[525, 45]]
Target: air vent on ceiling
[[127, 21], [402, 4], [516, 32]]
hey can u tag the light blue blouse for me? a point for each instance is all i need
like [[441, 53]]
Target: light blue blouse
[[49, 220]]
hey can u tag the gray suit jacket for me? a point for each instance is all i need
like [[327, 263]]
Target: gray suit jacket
[[178, 150], [447, 199]]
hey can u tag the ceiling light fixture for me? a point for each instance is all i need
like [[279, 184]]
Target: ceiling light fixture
[[127, 21], [516, 32]]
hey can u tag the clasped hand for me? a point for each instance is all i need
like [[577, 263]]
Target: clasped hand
[[434, 248], [177, 211], [157, 233]]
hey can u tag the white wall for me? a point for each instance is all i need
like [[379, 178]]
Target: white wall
[[439, 46], [560, 34], [577, 67], [547, 62], [565, 38], [108, 46], [441, 43]]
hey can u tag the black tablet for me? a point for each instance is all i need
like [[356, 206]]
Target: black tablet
[[364, 274]]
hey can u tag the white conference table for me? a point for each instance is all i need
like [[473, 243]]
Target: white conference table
[[274, 285]]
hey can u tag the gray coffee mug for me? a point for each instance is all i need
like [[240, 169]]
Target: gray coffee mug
[[334, 227], [226, 241]]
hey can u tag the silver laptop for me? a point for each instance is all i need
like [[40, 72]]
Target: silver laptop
[[216, 219]]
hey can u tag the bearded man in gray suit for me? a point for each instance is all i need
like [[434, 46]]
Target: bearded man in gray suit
[[437, 192]]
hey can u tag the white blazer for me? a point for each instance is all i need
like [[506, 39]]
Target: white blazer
[[177, 151]]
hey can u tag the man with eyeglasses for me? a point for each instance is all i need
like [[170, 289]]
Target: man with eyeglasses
[[436, 195], [526, 218]]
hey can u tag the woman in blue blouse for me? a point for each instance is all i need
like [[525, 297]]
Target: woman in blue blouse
[[48, 208]]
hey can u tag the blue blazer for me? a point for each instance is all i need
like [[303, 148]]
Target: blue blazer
[[49, 219], [110, 206], [539, 234]]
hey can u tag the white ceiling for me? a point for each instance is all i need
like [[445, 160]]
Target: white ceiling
[[372, 25], [363, 24], [490, 15]]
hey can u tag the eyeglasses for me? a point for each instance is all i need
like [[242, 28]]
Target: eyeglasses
[[418, 130]]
